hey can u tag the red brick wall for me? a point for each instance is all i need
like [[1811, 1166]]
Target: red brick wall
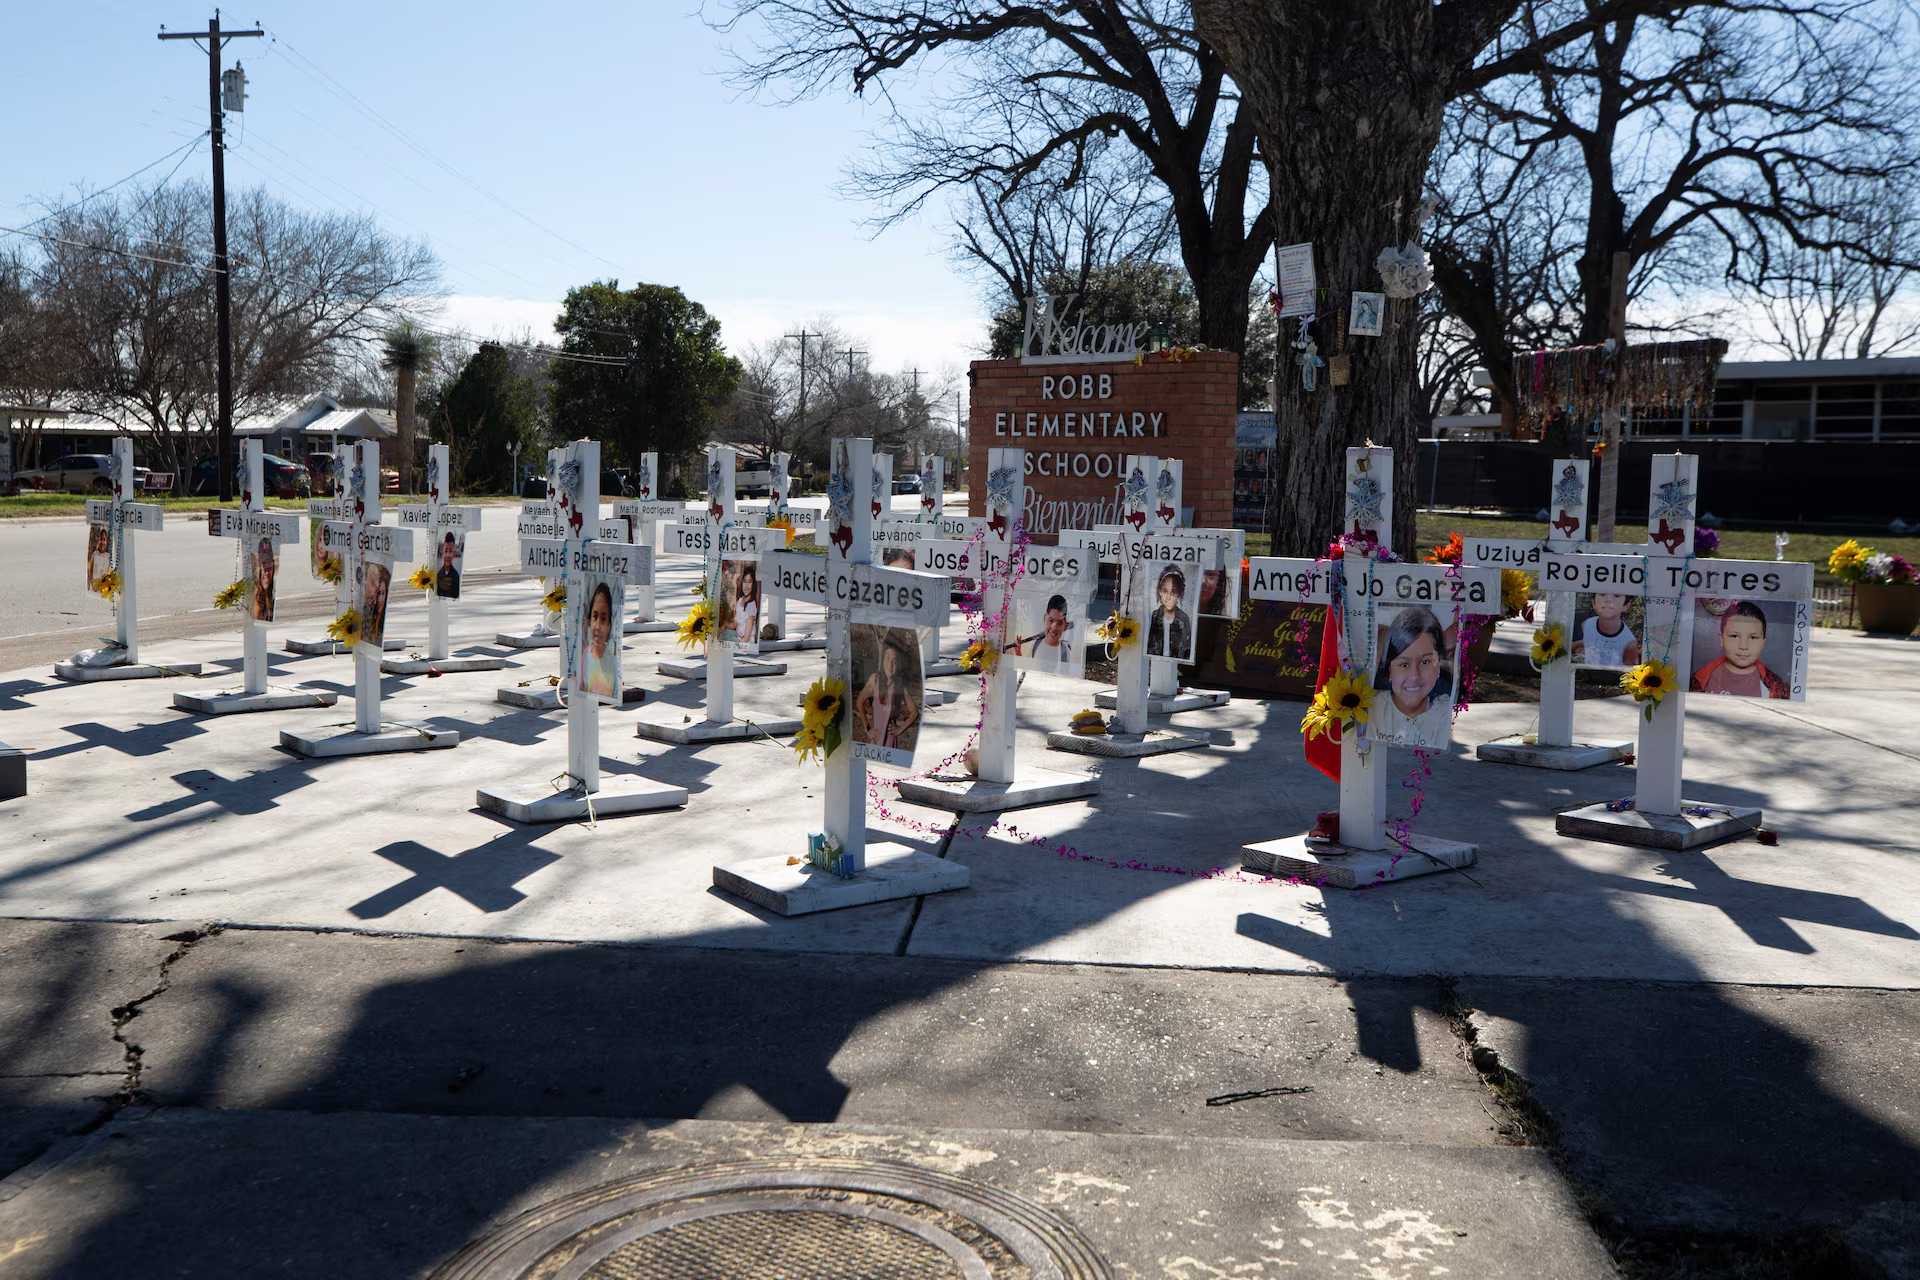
[[1196, 401]]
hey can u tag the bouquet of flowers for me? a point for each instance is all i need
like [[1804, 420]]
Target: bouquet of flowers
[[1851, 562]]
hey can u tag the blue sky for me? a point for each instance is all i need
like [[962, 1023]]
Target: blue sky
[[609, 124]]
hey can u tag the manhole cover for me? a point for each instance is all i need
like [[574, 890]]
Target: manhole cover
[[785, 1220]]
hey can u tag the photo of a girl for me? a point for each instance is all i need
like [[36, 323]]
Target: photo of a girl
[[1730, 639], [99, 554], [886, 708], [375, 579], [1415, 674], [1170, 625], [597, 669], [740, 605], [263, 567]]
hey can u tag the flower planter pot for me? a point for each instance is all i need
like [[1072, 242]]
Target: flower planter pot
[[1888, 608]]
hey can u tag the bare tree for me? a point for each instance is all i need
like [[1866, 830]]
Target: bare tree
[[1823, 304], [126, 295], [1036, 92], [1349, 103]]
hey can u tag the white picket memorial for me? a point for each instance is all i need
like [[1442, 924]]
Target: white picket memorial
[[1423, 605], [259, 535], [1000, 783], [369, 550], [841, 866], [722, 538], [1710, 627], [445, 527], [1552, 744], [594, 573], [1151, 498], [325, 556], [113, 524], [796, 522], [539, 522], [644, 513]]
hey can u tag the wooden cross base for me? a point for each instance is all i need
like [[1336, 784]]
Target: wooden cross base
[[1161, 704], [82, 673], [975, 795], [1658, 830], [1339, 866], [1533, 755], [631, 628], [701, 731], [529, 639], [327, 646], [893, 871], [696, 668], [616, 796], [1127, 746], [234, 702], [345, 740], [538, 696], [421, 666]]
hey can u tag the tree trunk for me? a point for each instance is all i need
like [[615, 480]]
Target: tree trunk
[[403, 414], [1347, 102]]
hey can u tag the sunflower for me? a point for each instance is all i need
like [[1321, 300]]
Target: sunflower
[[346, 628], [331, 569], [1349, 697], [1516, 592], [696, 628], [1118, 631], [107, 585], [1649, 683], [422, 579], [1319, 719], [979, 656], [555, 600], [808, 744], [822, 704], [230, 597], [1848, 561], [1549, 643]]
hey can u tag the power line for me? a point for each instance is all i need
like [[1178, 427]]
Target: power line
[[188, 146], [353, 99]]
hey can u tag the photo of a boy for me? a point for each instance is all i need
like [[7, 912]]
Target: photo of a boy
[[1738, 672], [1604, 639]]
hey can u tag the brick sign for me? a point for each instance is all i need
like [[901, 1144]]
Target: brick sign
[[1078, 423]]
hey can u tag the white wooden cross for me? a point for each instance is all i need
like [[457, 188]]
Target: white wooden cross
[[720, 535], [1001, 784], [368, 549], [1363, 587], [644, 513], [445, 528], [547, 521], [580, 559], [1673, 583], [840, 867], [804, 522], [322, 550], [115, 520], [254, 528]]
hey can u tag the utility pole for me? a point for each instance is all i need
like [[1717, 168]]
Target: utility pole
[[222, 289], [801, 426], [851, 353]]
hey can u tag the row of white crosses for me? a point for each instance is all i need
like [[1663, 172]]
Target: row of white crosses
[[644, 513], [803, 521], [544, 521], [254, 527], [357, 535], [442, 521], [840, 868], [719, 535], [1665, 574], [1362, 586], [1000, 783], [121, 517], [578, 557]]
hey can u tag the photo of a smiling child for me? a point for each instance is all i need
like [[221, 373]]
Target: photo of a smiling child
[[1413, 680], [597, 651], [1608, 630], [1745, 649]]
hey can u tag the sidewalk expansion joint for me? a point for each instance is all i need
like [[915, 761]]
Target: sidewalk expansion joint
[[1522, 1121], [913, 916]]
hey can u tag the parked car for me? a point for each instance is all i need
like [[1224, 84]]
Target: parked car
[[534, 489], [78, 473], [908, 483], [281, 477]]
